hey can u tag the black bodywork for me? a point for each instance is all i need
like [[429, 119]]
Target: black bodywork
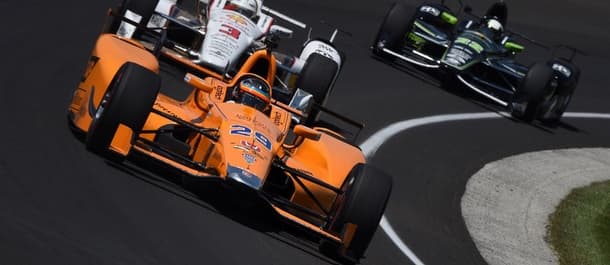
[[432, 36]]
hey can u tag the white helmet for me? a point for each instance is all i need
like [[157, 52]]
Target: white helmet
[[494, 25], [248, 8]]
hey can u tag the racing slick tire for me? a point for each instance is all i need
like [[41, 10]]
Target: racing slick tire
[[531, 94], [317, 78], [399, 21], [128, 100], [553, 108], [142, 8], [393, 28], [367, 191]]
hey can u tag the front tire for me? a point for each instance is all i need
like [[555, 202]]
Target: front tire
[[553, 108], [395, 25], [532, 92], [128, 100], [367, 191]]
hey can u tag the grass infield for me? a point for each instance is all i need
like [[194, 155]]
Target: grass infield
[[579, 229]]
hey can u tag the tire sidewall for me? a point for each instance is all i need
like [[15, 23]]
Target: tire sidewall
[[130, 97], [366, 195], [318, 78], [534, 89], [396, 23]]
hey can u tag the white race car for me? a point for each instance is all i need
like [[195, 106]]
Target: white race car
[[221, 37]]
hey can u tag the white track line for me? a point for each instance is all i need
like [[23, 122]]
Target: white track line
[[374, 142]]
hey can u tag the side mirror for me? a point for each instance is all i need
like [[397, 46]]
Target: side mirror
[[514, 47], [204, 85], [280, 31], [449, 18], [301, 101], [306, 132]]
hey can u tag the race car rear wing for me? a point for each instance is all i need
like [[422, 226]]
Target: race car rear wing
[[284, 17], [554, 49], [573, 51]]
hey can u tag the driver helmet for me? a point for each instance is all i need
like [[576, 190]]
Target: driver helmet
[[495, 27], [253, 91], [247, 8]]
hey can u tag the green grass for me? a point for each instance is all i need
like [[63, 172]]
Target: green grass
[[579, 229]]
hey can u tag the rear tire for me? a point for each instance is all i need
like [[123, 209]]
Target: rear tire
[[127, 100], [317, 78], [367, 191], [532, 92]]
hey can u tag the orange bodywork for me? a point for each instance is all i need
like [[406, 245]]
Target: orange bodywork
[[244, 139], [109, 54]]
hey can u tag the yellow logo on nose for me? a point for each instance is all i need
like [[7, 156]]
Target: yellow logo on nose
[[239, 19]]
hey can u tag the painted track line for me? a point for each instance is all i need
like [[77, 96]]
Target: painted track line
[[374, 142]]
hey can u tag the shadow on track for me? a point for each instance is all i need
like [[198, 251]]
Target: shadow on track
[[212, 195], [435, 78]]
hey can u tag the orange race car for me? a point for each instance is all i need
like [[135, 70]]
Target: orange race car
[[230, 128]]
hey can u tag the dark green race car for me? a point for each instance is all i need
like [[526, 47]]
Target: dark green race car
[[480, 54]]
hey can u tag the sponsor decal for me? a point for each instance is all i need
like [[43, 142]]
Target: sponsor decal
[[562, 69], [243, 117], [430, 10], [277, 118], [261, 125], [250, 146], [238, 19], [126, 29], [241, 130], [250, 159], [325, 50], [457, 56], [219, 93], [249, 151], [246, 131], [157, 22], [229, 30], [472, 44], [247, 174], [244, 177], [263, 140]]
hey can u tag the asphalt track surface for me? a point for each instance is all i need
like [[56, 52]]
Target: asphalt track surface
[[60, 204]]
